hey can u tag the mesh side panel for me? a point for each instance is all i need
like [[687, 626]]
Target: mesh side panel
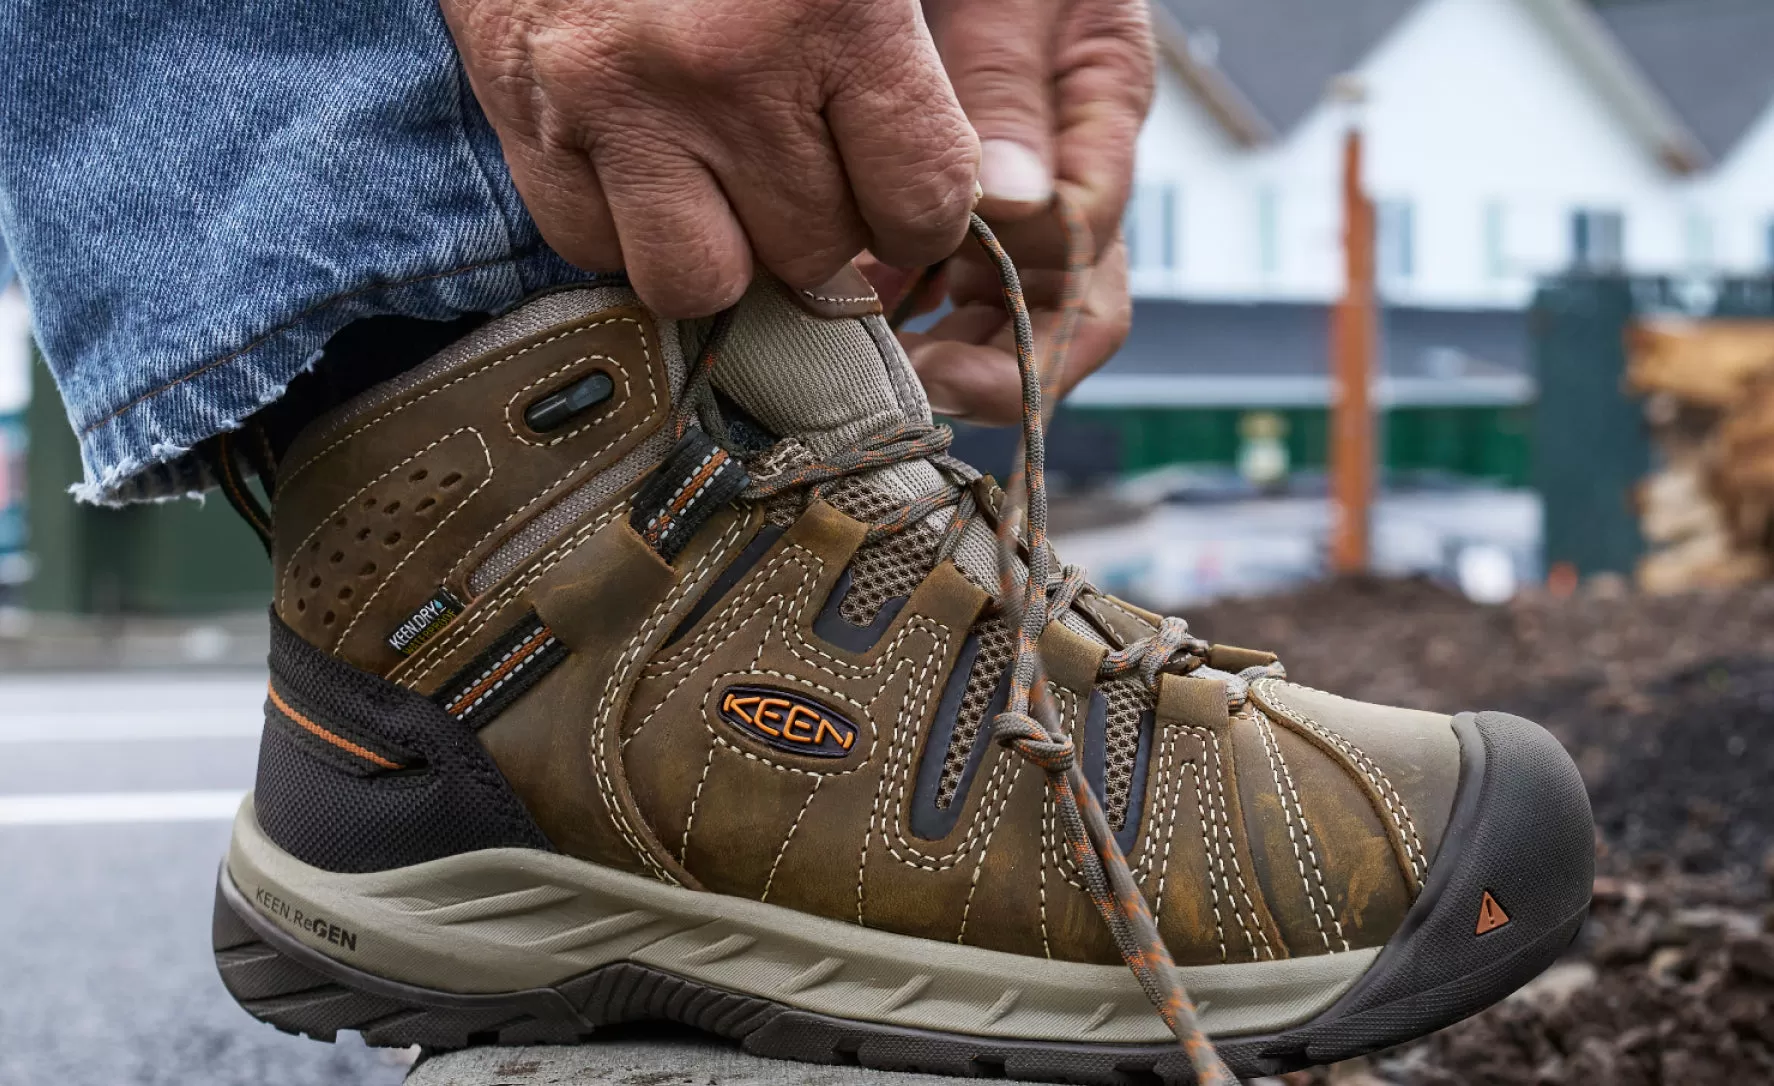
[[995, 645], [1121, 739], [888, 569], [784, 509]]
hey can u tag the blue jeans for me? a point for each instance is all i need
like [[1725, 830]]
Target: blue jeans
[[198, 193]]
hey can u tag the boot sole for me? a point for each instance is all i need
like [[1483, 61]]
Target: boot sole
[[561, 948]]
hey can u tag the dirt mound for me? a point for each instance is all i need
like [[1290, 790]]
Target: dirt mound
[[1667, 704]]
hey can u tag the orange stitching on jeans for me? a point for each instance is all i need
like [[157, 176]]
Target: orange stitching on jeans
[[295, 320]]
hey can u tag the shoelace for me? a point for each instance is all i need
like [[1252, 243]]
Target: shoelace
[[1027, 723]]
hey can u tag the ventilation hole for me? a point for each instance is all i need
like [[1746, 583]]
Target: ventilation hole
[[392, 539], [419, 476], [339, 522], [328, 619], [368, 570], [450, 480], [314, 582], [391, 508], [301, 605], [345, 593], [314, 547], [369, 503], [424, 504], [362, 534], [338, 556]]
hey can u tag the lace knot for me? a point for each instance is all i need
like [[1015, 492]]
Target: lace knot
[[1027, 737]]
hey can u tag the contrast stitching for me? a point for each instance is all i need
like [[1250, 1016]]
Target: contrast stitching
[[500, 671], [1046, 818], [1224, 823], [1398, 813], [1290, 804], [336, 740], [690, 820], [419, 546], [770, 880], [439, 650], [576, 431], [485, 367], [1210, 837], [321, 525], [618, 679], [278, 330], [1170, 812], [712, 467], [842, 301]]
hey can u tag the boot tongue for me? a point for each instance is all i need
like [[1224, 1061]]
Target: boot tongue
[[819, 365], [823, 366]]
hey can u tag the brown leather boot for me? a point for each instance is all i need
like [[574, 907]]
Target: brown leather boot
[[600, 693]]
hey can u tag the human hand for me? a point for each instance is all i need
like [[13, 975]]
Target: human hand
[[1057, 90], [967, 359], [678, 139]]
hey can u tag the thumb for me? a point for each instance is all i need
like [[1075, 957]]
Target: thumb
[[999, 57]]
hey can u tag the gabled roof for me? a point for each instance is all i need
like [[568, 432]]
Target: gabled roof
[[1260, 66], [1713, 60], [1278, 56]]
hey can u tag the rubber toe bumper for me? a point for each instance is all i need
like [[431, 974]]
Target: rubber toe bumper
[[1508, 892]]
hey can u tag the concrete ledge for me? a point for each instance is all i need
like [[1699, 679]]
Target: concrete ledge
[[642, 1057]]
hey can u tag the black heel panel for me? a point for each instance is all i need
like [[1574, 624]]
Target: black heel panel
[[357, 774]]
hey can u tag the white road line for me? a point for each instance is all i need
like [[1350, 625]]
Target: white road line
[[99, 808], [120, 728]]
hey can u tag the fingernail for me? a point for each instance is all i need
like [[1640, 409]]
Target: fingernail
[[1009, 171]]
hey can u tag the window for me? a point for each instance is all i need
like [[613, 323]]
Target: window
[[1598, 239], [1395, 252], [1699, 241], [1496, 252], [1268, 232], [1153, 227]]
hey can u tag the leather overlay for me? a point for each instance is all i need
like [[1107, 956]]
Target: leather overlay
[[374, 514], [477, 629], [846, 294], [1254, 836], [1406, 761]]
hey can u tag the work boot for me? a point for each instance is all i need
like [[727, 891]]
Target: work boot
[[626, 669]]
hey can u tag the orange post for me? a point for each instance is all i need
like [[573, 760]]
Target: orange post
[[1353, 332]]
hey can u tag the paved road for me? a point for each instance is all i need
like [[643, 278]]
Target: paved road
[[114, 798]]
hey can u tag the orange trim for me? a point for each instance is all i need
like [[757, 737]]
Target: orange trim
[[518, 656], [686, 492], [336, 740]]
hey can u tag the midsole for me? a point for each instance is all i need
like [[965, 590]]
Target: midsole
[[508, 920]]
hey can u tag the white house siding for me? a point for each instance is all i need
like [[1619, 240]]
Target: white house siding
[[1737, 199], [1478, 118]]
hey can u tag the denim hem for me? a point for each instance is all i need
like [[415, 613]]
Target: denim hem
[[141, 451]]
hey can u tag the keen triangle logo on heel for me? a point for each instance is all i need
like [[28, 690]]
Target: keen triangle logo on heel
[[1490, 915]]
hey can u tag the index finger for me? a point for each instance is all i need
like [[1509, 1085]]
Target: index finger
[[1103, 88]]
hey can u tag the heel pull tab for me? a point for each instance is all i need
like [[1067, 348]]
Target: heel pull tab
[[223, 459]]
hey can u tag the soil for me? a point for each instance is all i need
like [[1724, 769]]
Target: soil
[[1667, 704]]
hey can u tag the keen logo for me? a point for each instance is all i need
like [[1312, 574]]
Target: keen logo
[[431, 617], [788, 721]]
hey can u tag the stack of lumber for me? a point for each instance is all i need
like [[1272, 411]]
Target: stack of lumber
[[1707, 510]]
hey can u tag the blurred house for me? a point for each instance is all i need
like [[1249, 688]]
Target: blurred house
[[1506, 140]]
